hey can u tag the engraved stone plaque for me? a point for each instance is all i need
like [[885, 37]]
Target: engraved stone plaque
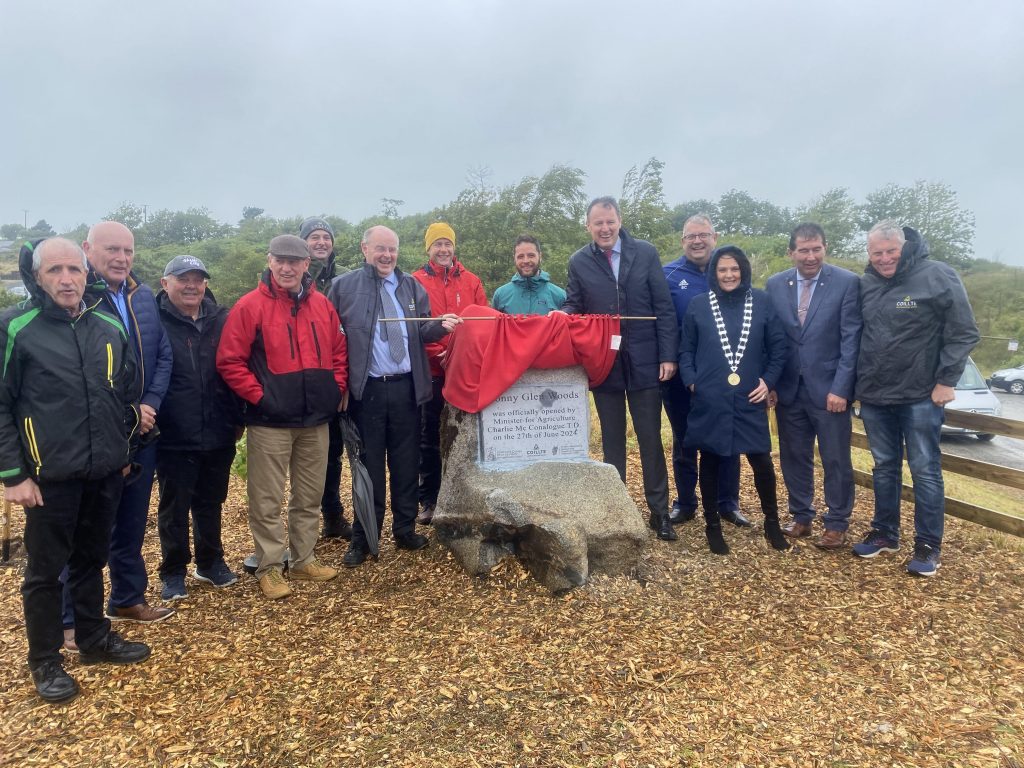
[[544, 416]]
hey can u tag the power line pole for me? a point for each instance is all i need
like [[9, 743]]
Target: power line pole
[[25, 210]]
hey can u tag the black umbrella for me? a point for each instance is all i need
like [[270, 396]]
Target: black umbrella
[[362, 487]]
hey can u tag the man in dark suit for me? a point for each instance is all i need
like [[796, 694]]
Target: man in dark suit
[[820, 307], [617, 274]]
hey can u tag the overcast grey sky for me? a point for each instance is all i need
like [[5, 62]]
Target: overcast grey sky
[[306, 107]]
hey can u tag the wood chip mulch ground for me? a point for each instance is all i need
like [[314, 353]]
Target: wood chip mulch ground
[[757, 659]]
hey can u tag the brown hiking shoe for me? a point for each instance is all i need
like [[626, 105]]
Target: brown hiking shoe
[[141, 613], [831, 540], [795, 530], [274, 586], [313, 571]]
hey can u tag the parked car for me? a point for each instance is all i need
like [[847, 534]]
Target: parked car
[[973, 396], [1010, 379]]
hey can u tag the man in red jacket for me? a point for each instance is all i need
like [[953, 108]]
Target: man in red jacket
[[282, 351], [450, 287]]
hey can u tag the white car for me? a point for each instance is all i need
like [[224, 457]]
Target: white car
[[1010, 379], [973, 396]]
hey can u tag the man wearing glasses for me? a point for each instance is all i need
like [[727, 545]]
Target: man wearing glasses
[[686, 279]]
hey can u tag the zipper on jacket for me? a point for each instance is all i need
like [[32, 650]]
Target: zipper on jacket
[[110, 365], [33, 446], [291, 342], [138, 336], [191, 353], [316, 343]]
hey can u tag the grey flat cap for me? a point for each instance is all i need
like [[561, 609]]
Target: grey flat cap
[[289, 247]]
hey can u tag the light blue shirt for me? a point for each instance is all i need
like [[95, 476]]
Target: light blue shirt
[[382, 364], [120, 299], [808, 283]]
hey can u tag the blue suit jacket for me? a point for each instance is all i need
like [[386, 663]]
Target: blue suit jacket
[[823, 351]]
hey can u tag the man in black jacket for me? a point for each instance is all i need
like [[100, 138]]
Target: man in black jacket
[[389, 378], [918, 332], [619, 275], [319, 236], [199, 423], [67, 413]]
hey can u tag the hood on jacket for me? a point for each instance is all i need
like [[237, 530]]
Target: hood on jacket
[[533, 282], [745, 272], [37, 294], [915, 250], [94, 286]]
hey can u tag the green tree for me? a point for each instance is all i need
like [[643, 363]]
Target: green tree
[[78, 234], [644, 212], [184, 227], [390, 206], [683, 211], [741, 214], [131, 215], [251, 212], [838, 214], [12, 231], [932, 209], [40, 229]]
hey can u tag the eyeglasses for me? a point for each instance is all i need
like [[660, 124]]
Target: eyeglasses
[[703, 236]]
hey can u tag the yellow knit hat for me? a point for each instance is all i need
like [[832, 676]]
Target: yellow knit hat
[[438, 230]]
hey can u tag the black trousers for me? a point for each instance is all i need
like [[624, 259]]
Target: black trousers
[[331, 506], [764, 482], [430, 444], [72, 528], [388, 420], [677, 400], [195, 481], [645, 408]]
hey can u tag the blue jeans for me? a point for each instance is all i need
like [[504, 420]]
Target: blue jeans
[[917, 426]]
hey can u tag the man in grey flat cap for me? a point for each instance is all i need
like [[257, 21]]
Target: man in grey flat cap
[[283, 353]]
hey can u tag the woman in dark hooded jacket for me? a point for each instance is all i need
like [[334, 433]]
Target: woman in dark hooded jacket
[[733, 352]]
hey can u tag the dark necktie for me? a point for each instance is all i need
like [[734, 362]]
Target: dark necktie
[[391, 332]]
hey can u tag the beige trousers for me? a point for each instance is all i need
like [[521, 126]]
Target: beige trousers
[[273, 453]]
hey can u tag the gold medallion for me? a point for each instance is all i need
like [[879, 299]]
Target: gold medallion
[[734, 379]]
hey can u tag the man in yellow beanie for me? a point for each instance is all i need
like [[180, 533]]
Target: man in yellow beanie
[[451, 287]]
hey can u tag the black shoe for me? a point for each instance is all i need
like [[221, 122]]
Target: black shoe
[[716, 542], [337, 529], [665, 530], [411, 541], [773, 533], [115, 650], [53, 684], [354, 556], [735, 517], [426, 515], [679, 515]]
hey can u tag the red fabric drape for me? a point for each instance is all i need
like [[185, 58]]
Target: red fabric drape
[[486, 357]]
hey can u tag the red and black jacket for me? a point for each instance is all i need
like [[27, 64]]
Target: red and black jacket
[[284, 355], [449, 290]]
